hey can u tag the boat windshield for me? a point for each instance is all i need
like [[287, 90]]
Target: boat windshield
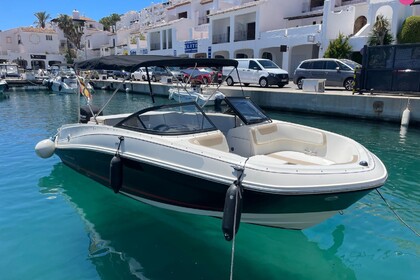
[[246, 110], [173, 119]]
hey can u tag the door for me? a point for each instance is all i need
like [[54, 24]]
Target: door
[[317, 71], [244, 71], [250, 32], [254, 72], [333, 74]]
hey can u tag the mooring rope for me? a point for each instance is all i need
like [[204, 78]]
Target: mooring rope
[[232, 257], [396, 214]]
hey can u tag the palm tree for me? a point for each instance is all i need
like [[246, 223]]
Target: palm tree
[[110, 21], [381, 34], [42, 18], [72, 32]]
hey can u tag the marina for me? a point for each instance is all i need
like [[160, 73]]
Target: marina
[[332, 101], [52, 214]]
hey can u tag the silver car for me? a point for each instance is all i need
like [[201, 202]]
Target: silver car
[[337, 72]]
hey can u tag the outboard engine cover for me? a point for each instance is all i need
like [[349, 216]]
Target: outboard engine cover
[[86, 113]]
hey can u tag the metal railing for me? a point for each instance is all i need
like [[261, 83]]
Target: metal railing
[[220, 38]]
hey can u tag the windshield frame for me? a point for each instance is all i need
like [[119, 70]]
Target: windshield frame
[[174, 125], [247, 110]]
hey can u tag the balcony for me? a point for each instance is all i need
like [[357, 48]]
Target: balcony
[[221, 38], [296, 32], [349, 2], [203, 20], [244, 35]]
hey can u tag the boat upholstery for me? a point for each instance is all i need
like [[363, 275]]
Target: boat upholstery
[[271, 138], [109, 119], [291, 157], [215, 141]]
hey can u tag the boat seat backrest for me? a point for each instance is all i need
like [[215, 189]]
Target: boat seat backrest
[[271, 138], [215, 141]]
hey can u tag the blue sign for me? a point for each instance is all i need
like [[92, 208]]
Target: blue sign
[[191, 46], [209, 52]]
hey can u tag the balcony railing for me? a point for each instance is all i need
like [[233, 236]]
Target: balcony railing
[[203, 20], [220, 38], [349, 2], [243, 36]]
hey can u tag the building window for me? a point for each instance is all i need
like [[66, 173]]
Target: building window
[[267, 55], [183, 15], [359, 23], [48, 37], [19, 40]]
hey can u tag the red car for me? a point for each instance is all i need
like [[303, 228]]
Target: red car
[[201, 75]]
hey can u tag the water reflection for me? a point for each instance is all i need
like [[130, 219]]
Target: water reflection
[[130, 240], [403, 134]]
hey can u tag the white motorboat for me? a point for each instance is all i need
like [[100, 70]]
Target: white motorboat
[[202, 96], [238, 165], [64, 80], [3, 85]]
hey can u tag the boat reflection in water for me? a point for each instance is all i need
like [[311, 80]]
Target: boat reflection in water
[[128, 240]]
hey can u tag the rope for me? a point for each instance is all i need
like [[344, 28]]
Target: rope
[[396, 214], [241, 170], [232, 257]]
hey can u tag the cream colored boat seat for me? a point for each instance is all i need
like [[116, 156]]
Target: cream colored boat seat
[[287, 142], [215, 141]]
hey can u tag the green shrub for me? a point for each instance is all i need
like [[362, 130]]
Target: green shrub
[[410, 31], [339, 48]]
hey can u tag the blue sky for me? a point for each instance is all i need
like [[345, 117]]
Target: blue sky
[[18, 13]]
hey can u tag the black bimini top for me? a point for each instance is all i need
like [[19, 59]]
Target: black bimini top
[[131, 63]]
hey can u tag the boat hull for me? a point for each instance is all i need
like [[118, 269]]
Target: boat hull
[[170, 189]]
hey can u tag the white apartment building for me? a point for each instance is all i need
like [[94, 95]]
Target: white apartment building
[[286, 32], [30, 47], [282, 30], [39, 48]]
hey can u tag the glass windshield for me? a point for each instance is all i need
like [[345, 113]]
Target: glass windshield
[[246, 110], [174, 119], [268, 64], [351, 63]]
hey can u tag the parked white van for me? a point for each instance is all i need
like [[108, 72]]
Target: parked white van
[[256, 71]]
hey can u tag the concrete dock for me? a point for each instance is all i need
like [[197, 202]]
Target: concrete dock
[[333, 101]]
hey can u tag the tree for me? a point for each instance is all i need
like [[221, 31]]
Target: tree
[[380, 35], [110, 21], [72, 32], [339, 48], [410, 31], [42, 18]]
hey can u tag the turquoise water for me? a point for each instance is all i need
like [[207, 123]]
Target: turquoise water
[[57, 224]]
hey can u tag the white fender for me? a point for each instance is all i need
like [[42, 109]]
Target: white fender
[[405, 119], [45, 148]]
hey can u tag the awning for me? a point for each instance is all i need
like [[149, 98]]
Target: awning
[[131, 63]]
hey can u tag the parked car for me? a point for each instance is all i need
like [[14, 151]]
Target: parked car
[[159, 72], [140, 74], [216, 74], [197, 76], [170, 72], [115, 74], [257, 71], [336, 72]]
